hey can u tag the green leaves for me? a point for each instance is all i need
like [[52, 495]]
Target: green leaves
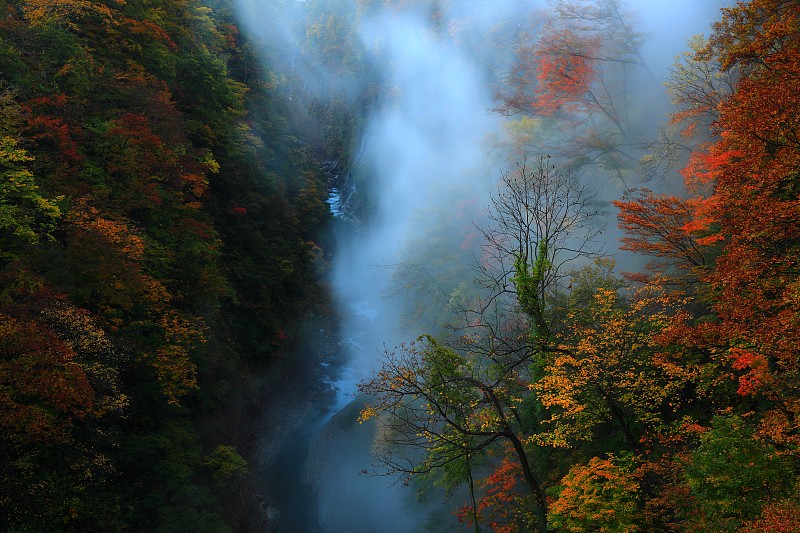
[[530, 284], [225, 464], [599, 496], [26, 217], [732, 473]]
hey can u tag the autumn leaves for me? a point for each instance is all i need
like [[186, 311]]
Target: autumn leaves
[[666, 400]]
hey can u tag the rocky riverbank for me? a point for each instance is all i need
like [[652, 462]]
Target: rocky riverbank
[[297, 405]]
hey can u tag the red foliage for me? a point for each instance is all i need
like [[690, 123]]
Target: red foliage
[[56, 139], [42, 388], [501, 502], [135, 129], [752, 211], [754, 165], [756, 367], [564, 73], [660, 226]]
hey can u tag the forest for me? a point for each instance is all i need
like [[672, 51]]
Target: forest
[[602, 336], [156, 222]]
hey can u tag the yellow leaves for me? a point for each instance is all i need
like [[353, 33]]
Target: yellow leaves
[[24, 213], [210, 163], [9, 153], [605, 298], [174, 370], [484, 419], [182, 330], [524, 131], [42, 12], [599, 496], [367, 413], [607, 370]]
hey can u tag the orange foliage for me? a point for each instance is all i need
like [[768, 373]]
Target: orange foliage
[[71, 12], [115, 234], [754, 165], [500, 487], [779, 517], [147, 29], [503, 503], [126, 293], [596, 497]]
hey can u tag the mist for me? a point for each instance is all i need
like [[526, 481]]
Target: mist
[[431, 151]]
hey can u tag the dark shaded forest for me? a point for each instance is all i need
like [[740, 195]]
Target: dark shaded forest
[[164, 228], [157, 214]]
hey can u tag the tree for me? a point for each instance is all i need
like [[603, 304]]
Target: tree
[[504, 504], [127, 279], [597, 496], [26, 217], [732, 474], [660, 226], [117, 286], [60, 408], [746, 214], [73, 13], [577, 72], [605, 382], [739, 337], [57, 139], [753, 211], [781, 517], [440, 404], [541, 224], [697, 85], [434, 401]]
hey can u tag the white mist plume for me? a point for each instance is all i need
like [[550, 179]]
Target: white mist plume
[[426, 147]]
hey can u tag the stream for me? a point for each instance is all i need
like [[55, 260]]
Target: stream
[[314, 452], [431, 154]]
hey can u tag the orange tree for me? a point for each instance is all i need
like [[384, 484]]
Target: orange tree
[[738, 237]]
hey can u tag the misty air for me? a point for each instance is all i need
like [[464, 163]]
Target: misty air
[[344, 266]]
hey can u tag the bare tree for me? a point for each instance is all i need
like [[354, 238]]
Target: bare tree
[[443, 406], [542, 223]]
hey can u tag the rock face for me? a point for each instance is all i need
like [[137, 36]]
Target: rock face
[[295, 409], [273, 516]]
